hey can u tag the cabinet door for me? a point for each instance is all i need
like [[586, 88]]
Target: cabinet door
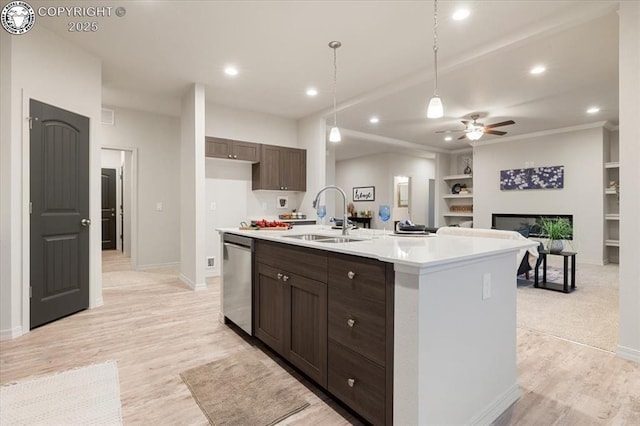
[[269, 307], [270, 167], [246, 151], [218, 148], [306, 326], [293, 169]]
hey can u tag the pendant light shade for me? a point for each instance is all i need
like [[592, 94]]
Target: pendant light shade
[[435, 109], [334, 134]]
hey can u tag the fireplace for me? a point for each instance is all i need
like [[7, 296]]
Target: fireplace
[[526, 224]]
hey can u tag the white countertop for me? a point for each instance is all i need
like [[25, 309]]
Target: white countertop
[[417, 251]]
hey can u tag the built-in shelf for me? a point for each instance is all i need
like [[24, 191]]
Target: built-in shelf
[[612, 216], [459, 214], [612, 243], [612, 165], [458, 177], [610, 191], [458, 196]]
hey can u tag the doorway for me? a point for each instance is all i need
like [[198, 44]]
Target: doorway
[[123, 161], [110, 202]]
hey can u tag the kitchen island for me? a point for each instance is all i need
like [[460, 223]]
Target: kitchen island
[[453, 357]]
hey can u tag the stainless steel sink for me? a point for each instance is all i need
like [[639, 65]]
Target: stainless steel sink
[[323, 238], [309, 237], [338, 240]]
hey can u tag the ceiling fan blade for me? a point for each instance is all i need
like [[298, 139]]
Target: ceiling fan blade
[[462, 137], [465, 122], [495, 132], [504, 123], [449, 131]]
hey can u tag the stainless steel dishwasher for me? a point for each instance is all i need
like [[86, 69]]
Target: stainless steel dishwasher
[[237, 272]]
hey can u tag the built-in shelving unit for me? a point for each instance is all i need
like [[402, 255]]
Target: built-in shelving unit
[[459, 206], [611, 197]]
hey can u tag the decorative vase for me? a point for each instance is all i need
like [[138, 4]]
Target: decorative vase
[[467, 170], [556, 246]]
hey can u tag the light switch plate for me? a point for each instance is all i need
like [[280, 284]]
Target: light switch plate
[[159, 206], [486, 286]]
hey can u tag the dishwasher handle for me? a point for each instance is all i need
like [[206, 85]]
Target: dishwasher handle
[[238, 246]]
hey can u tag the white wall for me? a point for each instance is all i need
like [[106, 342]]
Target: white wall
[[40, 65], [629, 340], [379, 170], [229, 198], [156, 139], [581, 154], [112, 159], [192, 189]]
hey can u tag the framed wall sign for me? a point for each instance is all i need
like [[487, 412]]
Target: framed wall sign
[[364, 193]]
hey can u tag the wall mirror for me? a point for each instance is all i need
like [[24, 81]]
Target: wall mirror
[[403, 194]]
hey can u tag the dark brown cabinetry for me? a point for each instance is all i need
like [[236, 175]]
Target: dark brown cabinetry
[[291, 305], [231, 149], [280, 169], [330, 315], [360, 335]]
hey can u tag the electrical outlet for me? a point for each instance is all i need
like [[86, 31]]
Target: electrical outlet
[[211, 262], [264, 206], [212, 206], [486, 286], [159, 206]]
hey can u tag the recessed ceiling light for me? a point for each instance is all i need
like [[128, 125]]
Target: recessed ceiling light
[[231, 70], [374, 120], [448, 138], [593, 110], [461, 14], [311, 91], [538, 69]]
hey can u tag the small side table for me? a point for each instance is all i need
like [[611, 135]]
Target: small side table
[[365, 221], [564, 287]]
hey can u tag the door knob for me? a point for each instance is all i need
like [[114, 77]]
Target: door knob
[[85, 222]]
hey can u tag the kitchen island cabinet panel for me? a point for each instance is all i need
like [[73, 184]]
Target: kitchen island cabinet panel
[[303, 261], [269, 308], [306, 326], [357, 382]]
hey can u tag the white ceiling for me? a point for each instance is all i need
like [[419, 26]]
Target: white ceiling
[[385, 66]]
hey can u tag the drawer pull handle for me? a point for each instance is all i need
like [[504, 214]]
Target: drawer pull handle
[[351, 322], [351, 274], [280, 276], [351, 382], [285, 278]]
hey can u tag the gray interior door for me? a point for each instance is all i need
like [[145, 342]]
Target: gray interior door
[[109, 209], [59, 175]]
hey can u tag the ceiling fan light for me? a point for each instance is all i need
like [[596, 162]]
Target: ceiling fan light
[[435, 109], [476, 133], [334, 135]]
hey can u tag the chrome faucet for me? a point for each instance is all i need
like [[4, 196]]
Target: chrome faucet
[[345, 220]]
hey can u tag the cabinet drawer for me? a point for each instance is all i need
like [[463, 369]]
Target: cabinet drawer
[[358, 324], [366, 393], [297, 260], [358, 277]]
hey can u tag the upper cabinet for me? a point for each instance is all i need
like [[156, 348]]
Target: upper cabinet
[[280, 169], [232, 149]]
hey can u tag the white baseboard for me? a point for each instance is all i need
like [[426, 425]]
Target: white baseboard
[[499, 405], [97, 303], [212, 273], [193, 286], [628, 353], [11, 333], [158, 266]]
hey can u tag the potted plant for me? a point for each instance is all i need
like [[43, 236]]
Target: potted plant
[[556, 230]]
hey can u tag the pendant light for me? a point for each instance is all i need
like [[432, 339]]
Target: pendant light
[[334, 134], [435, 109]]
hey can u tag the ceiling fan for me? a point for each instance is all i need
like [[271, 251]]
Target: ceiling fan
[[474, 130]]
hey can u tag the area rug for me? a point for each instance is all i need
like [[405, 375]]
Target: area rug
[[240, 390], [83, 396], [588, 315]]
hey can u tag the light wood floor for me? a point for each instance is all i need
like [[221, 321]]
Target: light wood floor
[[155, 327]]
